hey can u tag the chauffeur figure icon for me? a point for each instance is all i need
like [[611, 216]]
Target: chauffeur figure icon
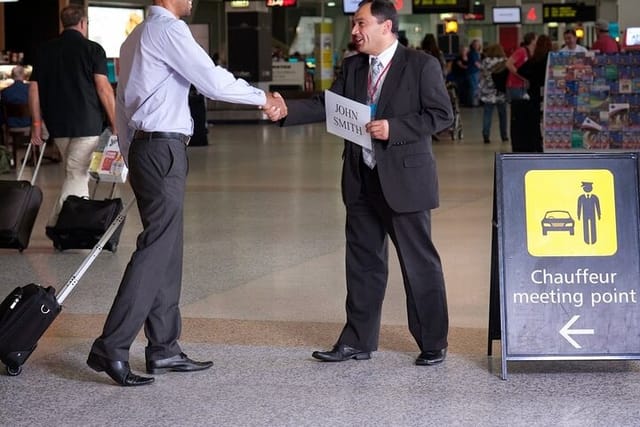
[[588, 209]]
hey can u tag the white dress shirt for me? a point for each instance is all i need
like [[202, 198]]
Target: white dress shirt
[[158, 62], [384, 58]]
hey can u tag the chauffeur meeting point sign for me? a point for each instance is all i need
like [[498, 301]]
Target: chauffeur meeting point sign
[[568, 256]]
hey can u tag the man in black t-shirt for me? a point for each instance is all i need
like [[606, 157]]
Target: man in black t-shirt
[[71, 93]]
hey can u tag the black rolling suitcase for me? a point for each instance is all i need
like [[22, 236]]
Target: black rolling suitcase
[[24, 316], [27, 312], [19, 206], [82, 222]]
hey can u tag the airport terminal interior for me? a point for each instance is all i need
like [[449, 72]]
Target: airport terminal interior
[[264, 286], [264, 259]]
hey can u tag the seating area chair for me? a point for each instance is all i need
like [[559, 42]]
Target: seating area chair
[[18, 137]]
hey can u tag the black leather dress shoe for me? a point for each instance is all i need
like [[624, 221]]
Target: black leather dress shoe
[[119, 371], [431, 357], [340, 353], [177, 363]]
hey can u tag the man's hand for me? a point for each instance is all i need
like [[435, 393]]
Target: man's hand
[[275, 108], [378, 129], [36, 133]]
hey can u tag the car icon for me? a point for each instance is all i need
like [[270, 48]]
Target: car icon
[[557, 221]]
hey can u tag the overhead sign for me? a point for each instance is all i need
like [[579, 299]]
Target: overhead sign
[[568, 12], [281, 3], [403, 7], [440, 6], [569, 256], [476, 14], [531, 13], [506, 15]]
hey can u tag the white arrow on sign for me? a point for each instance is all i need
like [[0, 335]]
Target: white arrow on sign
[[566, 332]]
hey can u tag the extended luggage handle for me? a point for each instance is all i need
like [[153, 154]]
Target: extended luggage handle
[[26, 159], [95, 189], [77, 275]]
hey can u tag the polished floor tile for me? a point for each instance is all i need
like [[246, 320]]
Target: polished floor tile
[[264, 286]]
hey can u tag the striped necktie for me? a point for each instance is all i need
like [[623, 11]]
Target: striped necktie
[[368, 156]]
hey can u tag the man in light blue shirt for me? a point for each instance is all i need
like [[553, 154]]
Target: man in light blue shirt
[[158, 63]]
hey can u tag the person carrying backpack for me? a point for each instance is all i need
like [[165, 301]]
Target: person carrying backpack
[[493, 79]]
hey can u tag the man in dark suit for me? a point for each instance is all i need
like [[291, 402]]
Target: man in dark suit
[[391, 189]]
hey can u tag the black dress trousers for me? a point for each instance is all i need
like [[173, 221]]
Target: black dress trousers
[[149, 292], [369, 221]]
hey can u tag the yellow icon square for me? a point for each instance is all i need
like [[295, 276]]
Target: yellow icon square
[[570, 212]]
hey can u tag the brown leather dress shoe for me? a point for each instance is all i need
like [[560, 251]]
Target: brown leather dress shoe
[[118, 370], [428, 358], [177, 363], [340, 353]]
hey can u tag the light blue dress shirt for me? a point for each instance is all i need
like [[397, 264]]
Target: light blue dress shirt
[[158, 62]]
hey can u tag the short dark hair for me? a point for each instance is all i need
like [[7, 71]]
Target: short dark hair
[[71, 15], [383, 10], [570, 31]]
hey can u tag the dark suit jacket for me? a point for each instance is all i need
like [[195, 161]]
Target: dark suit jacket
[[415, 102]]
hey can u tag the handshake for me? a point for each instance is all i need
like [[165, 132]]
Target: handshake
[[275, 108]]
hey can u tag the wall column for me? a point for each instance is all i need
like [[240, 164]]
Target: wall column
[[628, 14]]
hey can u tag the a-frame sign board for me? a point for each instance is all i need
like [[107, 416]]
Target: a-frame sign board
[[565, 281]]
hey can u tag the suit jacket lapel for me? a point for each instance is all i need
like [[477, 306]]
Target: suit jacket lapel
[[392, 79], [360, 75]]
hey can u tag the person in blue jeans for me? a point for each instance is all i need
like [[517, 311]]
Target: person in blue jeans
[[494, 59], [473, 72]]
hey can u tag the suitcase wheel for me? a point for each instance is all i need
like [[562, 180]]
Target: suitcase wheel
[[13, 371]]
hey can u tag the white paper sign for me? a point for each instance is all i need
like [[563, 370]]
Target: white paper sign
[[346, 118]]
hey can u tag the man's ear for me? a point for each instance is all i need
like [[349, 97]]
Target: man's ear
[[387, 25]]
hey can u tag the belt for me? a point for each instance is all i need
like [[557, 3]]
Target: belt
[[140, 134]]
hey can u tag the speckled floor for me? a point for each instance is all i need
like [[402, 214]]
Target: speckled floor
[[264, 287]]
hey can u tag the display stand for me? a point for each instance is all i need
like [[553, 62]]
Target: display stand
[[592, 101]]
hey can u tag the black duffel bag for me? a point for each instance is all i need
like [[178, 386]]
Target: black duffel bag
[[82, 222]]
